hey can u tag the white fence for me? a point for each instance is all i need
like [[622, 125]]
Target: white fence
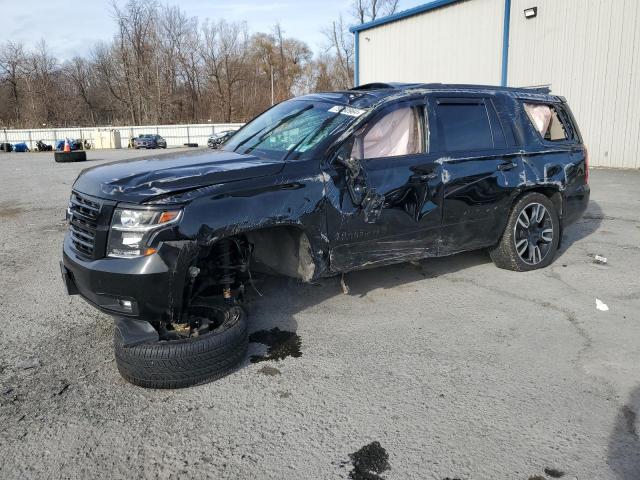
[[175, 135]]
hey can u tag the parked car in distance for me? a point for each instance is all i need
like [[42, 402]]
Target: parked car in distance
[[218, 139], [147, 140], [6, 147], [316, 186]]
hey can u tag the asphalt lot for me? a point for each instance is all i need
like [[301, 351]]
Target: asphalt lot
[[458, 369]]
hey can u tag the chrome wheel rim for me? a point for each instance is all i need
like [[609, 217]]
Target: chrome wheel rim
[[533, 234]]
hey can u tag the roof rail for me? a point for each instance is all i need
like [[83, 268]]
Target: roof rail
[[373, 86], [544, 88]]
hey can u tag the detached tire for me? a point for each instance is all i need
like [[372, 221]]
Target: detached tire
[[66, 157], [531, 237], [185, 362]]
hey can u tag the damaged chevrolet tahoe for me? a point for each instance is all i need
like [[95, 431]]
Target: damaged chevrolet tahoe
[[316, 186]]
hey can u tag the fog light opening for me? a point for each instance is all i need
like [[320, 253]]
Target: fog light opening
[[126, 305]]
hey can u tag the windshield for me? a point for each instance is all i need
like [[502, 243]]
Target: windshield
[[292, 129]]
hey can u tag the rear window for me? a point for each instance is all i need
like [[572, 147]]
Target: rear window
[[463, 125], [548, 121]]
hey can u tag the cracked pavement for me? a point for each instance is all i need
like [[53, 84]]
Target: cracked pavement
[[456, 368]]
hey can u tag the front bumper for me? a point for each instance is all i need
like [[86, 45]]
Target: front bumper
[[147, 288]]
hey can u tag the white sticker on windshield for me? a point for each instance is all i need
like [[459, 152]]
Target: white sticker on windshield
[[352, 112]]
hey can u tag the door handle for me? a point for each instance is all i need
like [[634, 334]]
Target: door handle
[[507, 166]]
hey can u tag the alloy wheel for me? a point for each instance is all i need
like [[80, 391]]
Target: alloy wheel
[[533, 233]]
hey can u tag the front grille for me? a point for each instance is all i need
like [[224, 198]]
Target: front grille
[[83, 223], [89, 219]]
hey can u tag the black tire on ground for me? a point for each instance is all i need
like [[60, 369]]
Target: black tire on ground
[[187, 362], [190, 144], [76, 156], [505, 254]]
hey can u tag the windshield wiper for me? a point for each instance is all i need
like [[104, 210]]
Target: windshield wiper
[[278, 124]]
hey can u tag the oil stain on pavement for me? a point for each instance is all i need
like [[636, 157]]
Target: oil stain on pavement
[[269, 371], [369, 462], [280, 344], [554, 473], [9, 211]]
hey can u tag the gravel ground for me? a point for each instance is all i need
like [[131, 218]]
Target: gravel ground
[[447, 368]]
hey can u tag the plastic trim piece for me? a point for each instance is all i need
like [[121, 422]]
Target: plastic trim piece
[[136, 332]]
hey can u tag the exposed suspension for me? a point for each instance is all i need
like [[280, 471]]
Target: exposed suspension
[[226, 267]]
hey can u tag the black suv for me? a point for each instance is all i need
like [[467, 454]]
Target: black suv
[[316, 186]]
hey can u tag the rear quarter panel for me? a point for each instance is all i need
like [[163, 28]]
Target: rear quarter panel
[[559, 165]]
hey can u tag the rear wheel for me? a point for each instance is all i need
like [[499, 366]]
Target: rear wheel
[[531, 237]]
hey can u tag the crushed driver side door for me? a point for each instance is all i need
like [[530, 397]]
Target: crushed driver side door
[[384, 191]]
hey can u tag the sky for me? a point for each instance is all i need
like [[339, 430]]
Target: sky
[[72, 27]]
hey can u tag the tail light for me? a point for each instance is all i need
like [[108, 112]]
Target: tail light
[[586, 165]]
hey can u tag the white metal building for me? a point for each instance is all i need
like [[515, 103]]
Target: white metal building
[[586, 50]]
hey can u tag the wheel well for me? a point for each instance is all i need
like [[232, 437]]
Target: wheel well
[[551, 192], [284, 250]]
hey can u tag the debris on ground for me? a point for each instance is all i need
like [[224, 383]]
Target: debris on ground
[[62, 388], [345, 288], [7, 390], [29, 363], [599, 259], [600, 305]]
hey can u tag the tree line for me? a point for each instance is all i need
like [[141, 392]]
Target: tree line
[[165, 67]]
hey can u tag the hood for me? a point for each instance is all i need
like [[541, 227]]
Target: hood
[[137, 181]]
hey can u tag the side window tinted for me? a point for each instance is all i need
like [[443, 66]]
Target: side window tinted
[[547, 121], [397, 133], [463, 126]]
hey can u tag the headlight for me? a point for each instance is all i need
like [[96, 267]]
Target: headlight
[[131, 231]]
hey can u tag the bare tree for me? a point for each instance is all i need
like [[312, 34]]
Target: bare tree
[[224, 53], [12, 68], [340, 40], [164, 66], [79, 72]]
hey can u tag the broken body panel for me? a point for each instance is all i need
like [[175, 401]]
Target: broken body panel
[[319, 216]]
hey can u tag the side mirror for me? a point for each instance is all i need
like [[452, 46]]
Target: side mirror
[[351, 164], [345, 158], [355, 179]]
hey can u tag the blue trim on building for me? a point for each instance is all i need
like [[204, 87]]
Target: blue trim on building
[[356, 61], [505, 42], [404, 14]]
